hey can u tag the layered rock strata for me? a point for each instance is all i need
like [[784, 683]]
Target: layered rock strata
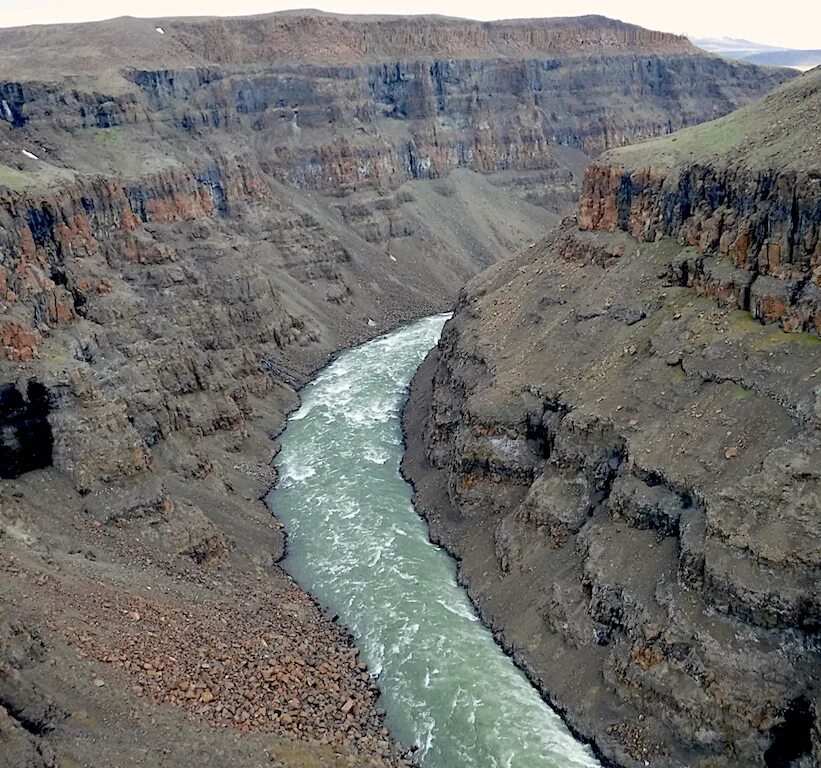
[[624, 459], [627, 475], [224, 130], [745, 192], [187, 230], [158, 357]]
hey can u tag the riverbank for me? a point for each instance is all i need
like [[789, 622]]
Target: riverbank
[[597, 446], [181, 627], [432, 502], [154, 412], [356, 542]]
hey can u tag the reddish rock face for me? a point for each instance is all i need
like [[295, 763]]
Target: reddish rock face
[[62, 235], [751, 217], [19, 343], [745, 187]]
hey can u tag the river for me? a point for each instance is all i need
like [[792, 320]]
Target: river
[[356, 543]]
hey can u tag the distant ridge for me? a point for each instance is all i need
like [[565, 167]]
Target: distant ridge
[[84, 49], [756, 53]]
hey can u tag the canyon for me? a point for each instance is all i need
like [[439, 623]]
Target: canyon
[[618, 438], [189, 229]]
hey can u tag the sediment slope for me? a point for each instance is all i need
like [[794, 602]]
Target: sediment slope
[[190, 227], [625, 461]]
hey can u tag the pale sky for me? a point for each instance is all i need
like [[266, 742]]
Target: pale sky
[[787, 23]]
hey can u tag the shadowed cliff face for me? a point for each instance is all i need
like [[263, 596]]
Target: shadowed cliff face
[[591, 102], [625, 459], [380, 123], [25, 434]]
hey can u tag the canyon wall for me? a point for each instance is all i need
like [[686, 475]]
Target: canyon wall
[[222, 134], [379, 123], [752, 215], [189, 227], [626, 474], [625, 460]]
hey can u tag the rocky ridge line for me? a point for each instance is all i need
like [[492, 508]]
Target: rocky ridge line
[[158, 311]]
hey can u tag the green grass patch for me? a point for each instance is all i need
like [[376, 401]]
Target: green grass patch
[[742, 321], [676, 373], [806, 339], [14, 179], [739, 392], [775, 338], [666, 250]]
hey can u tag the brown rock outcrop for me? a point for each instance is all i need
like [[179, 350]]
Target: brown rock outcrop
[[759, 205], [187, 230], [625, 473]]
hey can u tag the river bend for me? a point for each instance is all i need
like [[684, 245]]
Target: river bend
[[356, 543]]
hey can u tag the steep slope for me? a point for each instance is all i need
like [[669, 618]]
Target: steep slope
[[190, 227], [625, 461], [145, 370], [223, 131]]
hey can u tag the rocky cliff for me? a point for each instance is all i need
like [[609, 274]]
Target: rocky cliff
[[187, 230], [152, 346], [625, 460], [744, 191], [247, 116]]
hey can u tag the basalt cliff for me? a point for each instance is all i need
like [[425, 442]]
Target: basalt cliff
[[194, 215], [619, 436]]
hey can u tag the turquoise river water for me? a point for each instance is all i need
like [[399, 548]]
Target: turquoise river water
[[356, 543]]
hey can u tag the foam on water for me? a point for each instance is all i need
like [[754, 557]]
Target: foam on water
[[357, 544], [291, 474]]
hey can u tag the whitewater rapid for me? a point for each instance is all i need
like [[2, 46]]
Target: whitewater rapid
[[356, 543]]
